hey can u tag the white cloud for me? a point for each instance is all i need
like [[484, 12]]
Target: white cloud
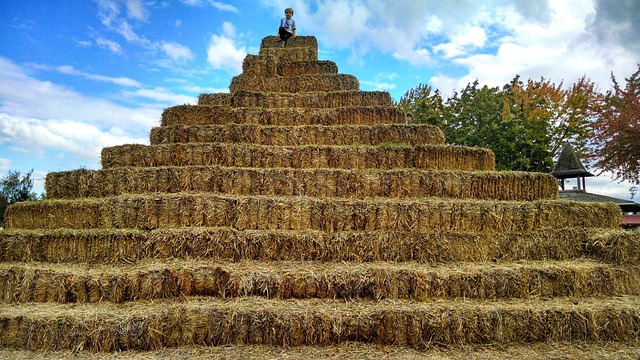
[[177, 52], [109, 15], [462, 39], [381, 81], [27, 97], [108, 10], [161, 95], [5, 164], [228, 29], [136, 10], [216, 4], [603, 184], [222, 6], [81, 139], [491, 41], [224, 54], [69, 70], [560, 50], [379, 86], [112, 46], [126, 30]]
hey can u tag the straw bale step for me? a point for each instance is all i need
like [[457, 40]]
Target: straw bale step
[[294, 42], [584, 350], [41, 282], [151, 325], [220, 115], [161, 210], [300, 68], [299, 135], [333, 99], [294, 84], [216, 99], [128, 246], [440, 157], [289, 54], [297, 62], [359, 183]]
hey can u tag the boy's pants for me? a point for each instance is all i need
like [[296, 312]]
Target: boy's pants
[[284, 34]]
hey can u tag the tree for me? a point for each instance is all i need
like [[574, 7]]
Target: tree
[[13, 189], [524, 124], [422, 104], [616, 130], [546, 117]]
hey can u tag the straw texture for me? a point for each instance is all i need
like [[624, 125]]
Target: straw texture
[[359, 183], [299, 135], [220, 115]]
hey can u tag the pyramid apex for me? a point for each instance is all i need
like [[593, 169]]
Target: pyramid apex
[[296, 41]]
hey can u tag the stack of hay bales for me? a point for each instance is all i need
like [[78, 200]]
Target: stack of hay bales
[[299, 214]]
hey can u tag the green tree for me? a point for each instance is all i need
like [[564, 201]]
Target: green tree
[[424, 104], [524, 124], [475, 119], [616, 130], [15, 188]]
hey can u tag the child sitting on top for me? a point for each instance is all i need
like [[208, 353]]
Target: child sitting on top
[[287, 27]]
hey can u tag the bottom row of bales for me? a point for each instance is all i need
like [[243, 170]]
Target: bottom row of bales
[[153, 325]]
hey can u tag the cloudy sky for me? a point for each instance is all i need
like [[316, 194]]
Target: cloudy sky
[[77, 76]]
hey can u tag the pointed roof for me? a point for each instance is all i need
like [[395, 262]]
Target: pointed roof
[[569, 165]]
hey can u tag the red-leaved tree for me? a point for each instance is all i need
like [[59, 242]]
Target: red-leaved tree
[[615, 145]]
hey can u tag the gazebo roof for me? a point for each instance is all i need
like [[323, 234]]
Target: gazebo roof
[[569, 165]]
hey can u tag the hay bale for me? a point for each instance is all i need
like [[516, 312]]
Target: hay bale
[[615, 246], [126, 246], [105, 327], [316, 99], [260, 156], [259, 66], [299, 135], [290, 54], [301, 68], [294, 84], [218, 99], [405, 281], [294, 42], [219, 115], [329, 214]]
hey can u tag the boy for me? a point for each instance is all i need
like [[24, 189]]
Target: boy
[[287, 27]]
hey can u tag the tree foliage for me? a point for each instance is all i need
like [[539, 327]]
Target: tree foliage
[[616, 130], [524, 124], [15, 188]]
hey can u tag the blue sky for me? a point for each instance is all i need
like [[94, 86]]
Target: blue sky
[[77, 76]]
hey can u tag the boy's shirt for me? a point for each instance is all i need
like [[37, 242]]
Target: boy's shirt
[[288, 24]]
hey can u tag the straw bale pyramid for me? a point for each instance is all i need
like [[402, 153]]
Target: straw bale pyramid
[[299, 216]]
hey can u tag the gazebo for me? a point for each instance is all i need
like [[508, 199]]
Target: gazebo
[[569, 166]]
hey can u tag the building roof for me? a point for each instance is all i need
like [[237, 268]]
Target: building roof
[[581, 195], [569, 164]]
